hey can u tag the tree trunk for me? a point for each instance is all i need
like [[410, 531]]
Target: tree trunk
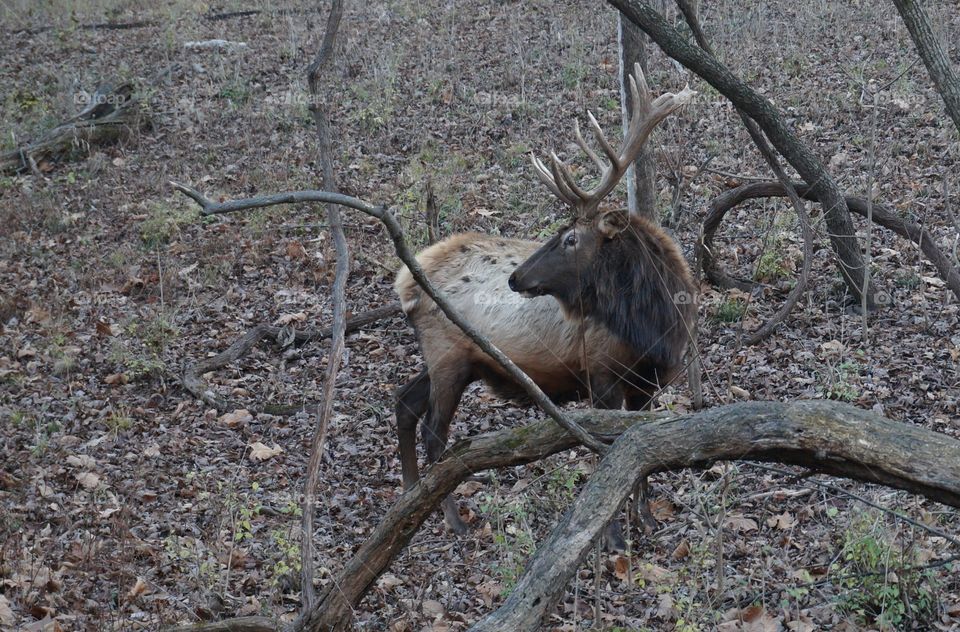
[[842, 235], [825, 436], [933, 55], [641, 178]]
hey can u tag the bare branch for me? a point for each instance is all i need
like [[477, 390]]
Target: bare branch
[[881, 215], [338, 297], [768, 153], [192, 381]]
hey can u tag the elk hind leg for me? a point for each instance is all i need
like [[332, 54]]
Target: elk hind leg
[[413, 401], [445, 393]]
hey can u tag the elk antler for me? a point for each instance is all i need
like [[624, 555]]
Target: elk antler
[[647, 113]]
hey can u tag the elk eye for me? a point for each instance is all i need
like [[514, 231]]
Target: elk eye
[[570, 240]]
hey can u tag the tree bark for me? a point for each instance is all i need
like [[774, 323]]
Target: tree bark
[[641, 178], [825, 436], [934, 57], [842, 235]]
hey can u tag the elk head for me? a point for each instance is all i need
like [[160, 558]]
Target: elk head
[[560, 266]]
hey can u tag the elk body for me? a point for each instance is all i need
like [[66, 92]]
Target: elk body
[[601, 312]]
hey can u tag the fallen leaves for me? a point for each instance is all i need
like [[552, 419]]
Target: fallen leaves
[[239, 417], [261, 452]]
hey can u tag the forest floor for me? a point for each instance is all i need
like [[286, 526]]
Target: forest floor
[[126, 504]]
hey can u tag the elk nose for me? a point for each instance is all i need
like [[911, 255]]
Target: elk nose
[[512, 282]]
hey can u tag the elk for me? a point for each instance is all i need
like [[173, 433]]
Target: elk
[[601, 312]]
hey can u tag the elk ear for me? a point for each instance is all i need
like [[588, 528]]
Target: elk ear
[[612, 223]]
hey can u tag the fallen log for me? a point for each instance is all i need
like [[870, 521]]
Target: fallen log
[[113, 114]]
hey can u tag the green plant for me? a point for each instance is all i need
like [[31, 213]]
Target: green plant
[[883, 585], [512, 535], [236, 91], [118, 420], [729, 310], [163, 223], [841, 381]]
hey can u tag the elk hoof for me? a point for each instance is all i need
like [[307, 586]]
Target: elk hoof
[[452, 519], [613, 541], [645, 516]]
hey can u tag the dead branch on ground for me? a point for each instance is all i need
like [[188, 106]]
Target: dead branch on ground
[[881, 215], [825, 436], [115, 113], [193, 382]]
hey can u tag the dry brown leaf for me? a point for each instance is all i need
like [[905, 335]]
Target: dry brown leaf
[[433, 608], [7, 618], [115, 379], [262, 452], [783, 521], [286, 319], [490, 591], [665, 607], [389, 581], [682, 550], [662, 509], [741, 523], [88, 480], [238, 417], [82, 461], [621, 568], [139, 588], [468, 488]]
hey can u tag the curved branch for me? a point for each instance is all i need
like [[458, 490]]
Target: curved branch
[[768, 153], [881, 215], [826, 436], [209, 207]]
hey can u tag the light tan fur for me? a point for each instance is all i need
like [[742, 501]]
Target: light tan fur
[[471, 270]]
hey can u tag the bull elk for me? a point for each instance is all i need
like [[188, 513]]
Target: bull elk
[[601, 312]]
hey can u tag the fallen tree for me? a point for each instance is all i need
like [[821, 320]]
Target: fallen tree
[[824, 436]]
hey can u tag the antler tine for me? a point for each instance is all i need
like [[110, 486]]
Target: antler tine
[[545, 177], [561, 175], [641, 97], [647, 114], [601, 139], [586, 148]]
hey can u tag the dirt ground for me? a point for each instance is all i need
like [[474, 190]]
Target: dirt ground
[[126, 504]]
